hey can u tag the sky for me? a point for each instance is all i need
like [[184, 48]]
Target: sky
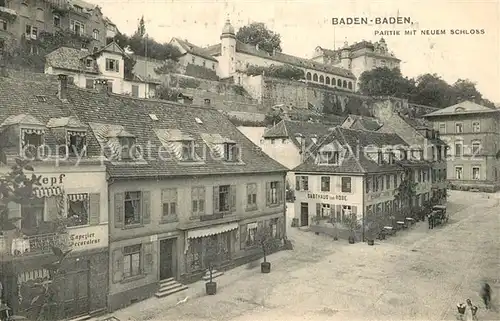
[[304, 25]]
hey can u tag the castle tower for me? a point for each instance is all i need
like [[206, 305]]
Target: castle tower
[[345, 60], [227, 62]]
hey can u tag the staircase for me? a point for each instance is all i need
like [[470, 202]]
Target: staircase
[[169, 286], [215, 274]]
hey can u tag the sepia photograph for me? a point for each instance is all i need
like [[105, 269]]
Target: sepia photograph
[[249, 160]]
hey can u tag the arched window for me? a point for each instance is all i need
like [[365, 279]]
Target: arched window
[[95, 34], [39, 14], [327, 80], [349, 85], [321, 79], [344, 84], [308, 76], [333, 82], [339, 83], [315, 77]]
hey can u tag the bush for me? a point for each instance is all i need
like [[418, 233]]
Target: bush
[[167, 93], [281, 71], [188, 83], [239, 90], [201, 72]]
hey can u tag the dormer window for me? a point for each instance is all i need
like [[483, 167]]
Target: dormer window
[[187, 151], [77, 143], [230, 152], [127, 145], [31, 141], [329, 158], [112, 65], [88, 63]]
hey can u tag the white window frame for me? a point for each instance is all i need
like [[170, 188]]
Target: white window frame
[[459, 125], [476, 124], [95, 34], [478, 173], [475, 144], [442, 128], [74, 23], [461, 170]]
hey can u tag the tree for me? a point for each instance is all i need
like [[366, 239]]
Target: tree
[[405, 193], [273, 116], [212, 256], [257, 33], [141, 28], [277, 71], [267, 242], [386, 82], [433, 91]]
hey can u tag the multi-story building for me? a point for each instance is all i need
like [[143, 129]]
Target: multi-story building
[[68, 210], [194, 55], [358, 57], [179, 178], [351, 174], [84, 68], [425, 143], [472, 132], [27, 19], [362, 123]]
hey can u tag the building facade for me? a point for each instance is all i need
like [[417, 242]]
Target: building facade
[[472, 133], [68, 209], [181, 179], [84, 68]]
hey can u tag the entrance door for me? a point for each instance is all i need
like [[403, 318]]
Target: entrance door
[[166, 258], [304, 214], [76, 291]]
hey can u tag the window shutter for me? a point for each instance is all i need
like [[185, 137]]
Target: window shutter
[[119, 209], [281, 227], [117, 265], [280, 192], [117, 65], [52, 209], [268, 193], [318, 209], [147, 258], [243, 236], [146, 207], [94, 206], [297, 183], [232, 198], [216, 199]]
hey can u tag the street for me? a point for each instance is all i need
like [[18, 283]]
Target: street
[[419, 274]]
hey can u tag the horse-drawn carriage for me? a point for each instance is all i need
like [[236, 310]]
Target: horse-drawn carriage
[[439, 214]]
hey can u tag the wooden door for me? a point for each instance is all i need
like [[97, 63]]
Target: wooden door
[[304, 214], [76, 293], [166, 259]]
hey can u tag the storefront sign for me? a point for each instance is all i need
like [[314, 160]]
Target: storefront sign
[[327, 197], [89, 237], [52, 180]]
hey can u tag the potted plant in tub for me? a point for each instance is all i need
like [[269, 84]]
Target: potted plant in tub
[[212, 259], [268, 243]]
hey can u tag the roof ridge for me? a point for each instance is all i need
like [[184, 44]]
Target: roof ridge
[[355, 158]]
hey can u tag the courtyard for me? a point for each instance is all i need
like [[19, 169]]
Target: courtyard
[[419, 274]]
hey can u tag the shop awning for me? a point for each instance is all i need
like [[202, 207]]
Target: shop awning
[[212, 230], [78, 197], [47, 191]]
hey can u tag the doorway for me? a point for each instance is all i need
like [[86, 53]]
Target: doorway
[[76, 290], [167, 258], [304, 214]]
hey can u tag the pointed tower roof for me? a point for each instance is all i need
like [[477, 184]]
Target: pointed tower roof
[[228, 30]]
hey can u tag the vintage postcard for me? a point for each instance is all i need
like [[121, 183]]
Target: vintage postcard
[[249, 160]]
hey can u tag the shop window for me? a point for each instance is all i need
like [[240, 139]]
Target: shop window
[[251, 196], [169, 204], [78, 209], [325, 183], [346, 185], [198, 201], [302, 183], [133, 208], [132, 260], [194, 254]]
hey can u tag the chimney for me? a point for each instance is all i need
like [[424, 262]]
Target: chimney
[[62, 91], [101, 85]]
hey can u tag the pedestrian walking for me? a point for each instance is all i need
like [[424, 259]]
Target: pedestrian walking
[[485, 294], [430, 220], [474, 312], [468, 311], [461, 311]]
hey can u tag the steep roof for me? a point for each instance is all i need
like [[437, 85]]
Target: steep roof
[[355, 161], [290, 128], [465, 107], [69, 59], [364, 123], [284, 58], [194, 49]]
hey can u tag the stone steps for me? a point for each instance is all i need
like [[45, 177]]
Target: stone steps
[[215, 274], [168, 287]]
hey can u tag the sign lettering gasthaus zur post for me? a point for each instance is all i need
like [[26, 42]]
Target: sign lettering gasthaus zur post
[[177, 140]]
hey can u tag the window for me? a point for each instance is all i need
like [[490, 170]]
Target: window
[[368, 183], [301, 183], [459, 128], [135, 91], [223, 198], [327, 80], [346, 185], [442, 128], [308, 76], [57, 21], [321, 79], [325, 183], [89, 83], [77, 143], [459, 172], [344, 84], [78, 209], [95, 34], [112, 65], [169, 204], [77, 27], [251, 233], [388, 181], [127, 145], [476, 128], [132, 260], [476, 147], [349, 85], [32, 215], [78, 8], [273, 223], [315, 77], [3, 24], [329, 158], [198, 200], [273, 193], [475, 173], [187, 151], [31, 32], [458, 149], [230, 152], [39, 14], [88, 63], [132, 208], [32, 140], [251, 196], [395, 181], [326, 210]]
